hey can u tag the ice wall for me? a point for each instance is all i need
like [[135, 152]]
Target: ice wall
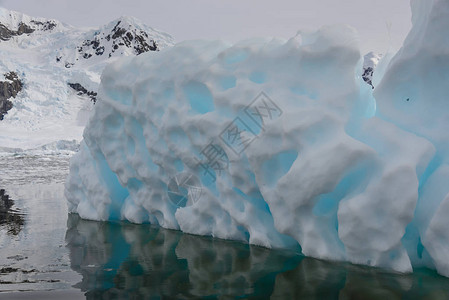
[[278, 143], [413, 95]]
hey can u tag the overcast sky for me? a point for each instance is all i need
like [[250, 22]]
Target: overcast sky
[[232, 20]]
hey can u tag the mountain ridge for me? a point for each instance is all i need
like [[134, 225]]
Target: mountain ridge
[[55, 63]]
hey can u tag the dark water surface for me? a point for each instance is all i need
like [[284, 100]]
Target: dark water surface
[[47, 254]]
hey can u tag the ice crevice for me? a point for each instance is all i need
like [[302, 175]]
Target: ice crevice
[[280, 143]]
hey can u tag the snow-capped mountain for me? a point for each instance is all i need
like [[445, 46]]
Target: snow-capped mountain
[[13, 24], [125, 36], [58, 67], [370, 62]]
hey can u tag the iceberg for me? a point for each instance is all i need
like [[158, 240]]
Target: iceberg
[[280, 143]]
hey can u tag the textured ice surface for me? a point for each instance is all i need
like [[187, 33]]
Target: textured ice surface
[[317, 161], [413, 95]]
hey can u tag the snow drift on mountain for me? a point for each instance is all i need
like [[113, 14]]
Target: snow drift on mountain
[[279, 143], [59, 71]]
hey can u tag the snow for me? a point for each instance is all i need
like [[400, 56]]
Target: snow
[[118, 38], [370, 62], [13, 19], [326, 168], [47, 110]]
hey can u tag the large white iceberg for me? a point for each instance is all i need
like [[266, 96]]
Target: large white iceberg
[[280, 143]]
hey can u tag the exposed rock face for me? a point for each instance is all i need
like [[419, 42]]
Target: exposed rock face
[[368, 76], [9, 89], [123, 36], [46, 25], [83, 91], [6, 33]]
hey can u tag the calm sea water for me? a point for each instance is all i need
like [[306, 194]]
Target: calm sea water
[[47, 254]]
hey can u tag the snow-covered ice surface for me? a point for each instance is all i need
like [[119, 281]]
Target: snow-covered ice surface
[[280, 143], [47, 110]]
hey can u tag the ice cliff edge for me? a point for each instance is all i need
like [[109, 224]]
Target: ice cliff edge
[[279, 143]]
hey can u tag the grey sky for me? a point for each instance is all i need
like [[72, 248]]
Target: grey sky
[[233, 20]]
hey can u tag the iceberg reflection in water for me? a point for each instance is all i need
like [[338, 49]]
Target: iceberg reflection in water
[[121, 260]]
